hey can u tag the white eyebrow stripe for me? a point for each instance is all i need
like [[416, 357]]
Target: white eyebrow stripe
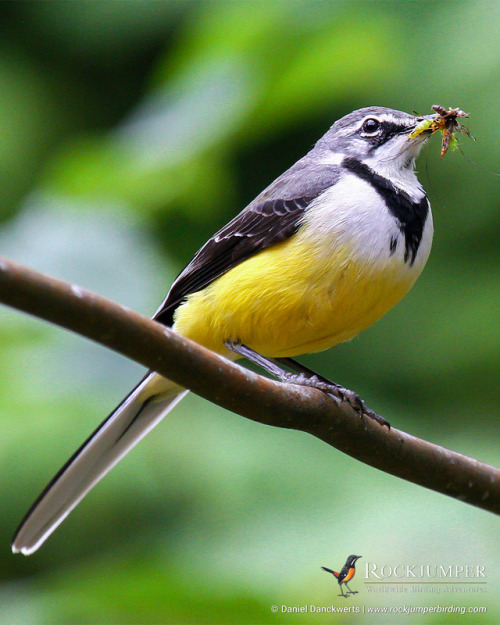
[[382, 117], [385, 117]]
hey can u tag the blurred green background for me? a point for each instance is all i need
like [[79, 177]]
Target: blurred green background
[[131, 131]]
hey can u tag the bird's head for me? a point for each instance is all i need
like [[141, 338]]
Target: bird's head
[[351, 560], [376, 136]]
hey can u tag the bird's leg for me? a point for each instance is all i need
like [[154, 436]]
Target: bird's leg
[[353, 592], [342, 592], [305, 377], [257, 359]]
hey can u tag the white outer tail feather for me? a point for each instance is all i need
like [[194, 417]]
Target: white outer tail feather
[[137, 415]]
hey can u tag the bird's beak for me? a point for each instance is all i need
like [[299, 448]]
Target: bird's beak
[[425, 132]]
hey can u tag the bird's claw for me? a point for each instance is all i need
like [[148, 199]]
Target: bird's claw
[[340, 392]]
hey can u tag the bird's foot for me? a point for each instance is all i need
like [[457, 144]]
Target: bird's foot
[[305, 377], [340, 392]]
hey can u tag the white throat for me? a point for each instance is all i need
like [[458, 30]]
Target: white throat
[[402, 175]]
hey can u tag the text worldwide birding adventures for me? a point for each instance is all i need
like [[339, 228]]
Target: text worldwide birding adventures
[[321, 254]]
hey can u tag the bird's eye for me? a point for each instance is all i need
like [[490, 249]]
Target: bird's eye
[[370, 126]]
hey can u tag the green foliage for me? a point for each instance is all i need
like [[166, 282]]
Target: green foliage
[[130, 131]]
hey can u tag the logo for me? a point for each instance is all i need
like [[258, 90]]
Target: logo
[[346, 574]]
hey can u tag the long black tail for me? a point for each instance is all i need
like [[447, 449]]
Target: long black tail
[[330, 571]]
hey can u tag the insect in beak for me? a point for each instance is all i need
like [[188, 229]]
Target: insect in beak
[[445, 121]]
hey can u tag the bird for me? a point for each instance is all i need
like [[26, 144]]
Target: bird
[[347, 572], [318, 256]]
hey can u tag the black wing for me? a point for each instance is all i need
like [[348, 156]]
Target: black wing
[[255, 228], [343, 572], [271, 218]]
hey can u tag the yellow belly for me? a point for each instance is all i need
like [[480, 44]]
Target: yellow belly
[[289, 300]]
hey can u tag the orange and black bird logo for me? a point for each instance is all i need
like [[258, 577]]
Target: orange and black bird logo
[[346, 574]]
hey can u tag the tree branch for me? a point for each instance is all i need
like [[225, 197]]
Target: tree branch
[[246, 393]]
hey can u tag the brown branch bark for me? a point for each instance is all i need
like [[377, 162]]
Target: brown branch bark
[[246, 393]]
